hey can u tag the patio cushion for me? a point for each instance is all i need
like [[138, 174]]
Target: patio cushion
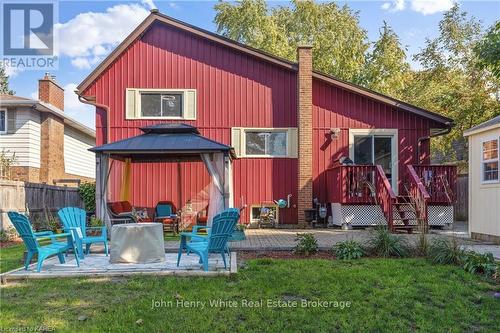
[[163, 210]]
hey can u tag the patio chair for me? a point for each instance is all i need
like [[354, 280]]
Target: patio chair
[[120, 212], [222, 227], [165, 213], [76, 218], [31, 238]]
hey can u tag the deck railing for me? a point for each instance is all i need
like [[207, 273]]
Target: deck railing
[[385, 195], [440, 181], [418, 193], [361, 184], [351, 184]]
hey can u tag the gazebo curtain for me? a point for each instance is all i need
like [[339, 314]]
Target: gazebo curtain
[[217, 172]]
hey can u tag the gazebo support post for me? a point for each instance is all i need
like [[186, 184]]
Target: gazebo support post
[[101, 179]]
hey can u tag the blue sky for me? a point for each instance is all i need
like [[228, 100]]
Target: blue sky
[[89, 30]]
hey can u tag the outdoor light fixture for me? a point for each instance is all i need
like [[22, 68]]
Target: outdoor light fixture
[[334, 133]]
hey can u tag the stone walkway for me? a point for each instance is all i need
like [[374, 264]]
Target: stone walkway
[[97, 264], [284, 239]]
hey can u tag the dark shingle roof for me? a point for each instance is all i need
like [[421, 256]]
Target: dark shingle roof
[[164, 139], [487, 123]]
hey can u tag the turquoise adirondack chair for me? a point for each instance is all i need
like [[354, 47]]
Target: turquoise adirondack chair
[[73, 218], [216, 241], [31, 238]]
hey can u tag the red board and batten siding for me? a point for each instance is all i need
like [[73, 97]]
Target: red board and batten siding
[[334, 107], [233, 90]]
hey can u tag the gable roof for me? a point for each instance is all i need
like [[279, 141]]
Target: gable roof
[[156, 16], [487, 125], [18, 101]]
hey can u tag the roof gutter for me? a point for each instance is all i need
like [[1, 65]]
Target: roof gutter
[[442, 132], [90, 100]]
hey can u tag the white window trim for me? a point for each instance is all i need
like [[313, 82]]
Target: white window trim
[[243, 141], [483, 161], [184, 92], [393, 132], [6, 121]]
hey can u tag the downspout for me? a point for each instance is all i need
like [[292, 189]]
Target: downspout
[[428, 137], [98, 105]]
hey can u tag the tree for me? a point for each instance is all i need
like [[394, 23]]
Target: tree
[[450, 82], [4, 82], [339, 43], [488, 51], [387, 70]]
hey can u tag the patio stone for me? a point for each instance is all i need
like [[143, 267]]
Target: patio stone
[[98, 264]]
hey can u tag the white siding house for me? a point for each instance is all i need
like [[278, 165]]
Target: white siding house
[[22, 132], [78, 160], [484, 180]]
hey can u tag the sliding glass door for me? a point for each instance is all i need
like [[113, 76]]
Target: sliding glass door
[[376, 150]]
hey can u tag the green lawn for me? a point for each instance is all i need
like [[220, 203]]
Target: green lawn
[[11, 257], [384, 294]]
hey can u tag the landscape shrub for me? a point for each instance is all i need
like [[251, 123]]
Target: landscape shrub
[[446, 251], [479, 263], [306, 244], [348, 250], [87, 193], [384, 244]]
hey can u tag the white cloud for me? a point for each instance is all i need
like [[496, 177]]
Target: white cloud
[[428, 7], [173, 5], [89, 36], [83, 113], [149, 3], [394, 5]]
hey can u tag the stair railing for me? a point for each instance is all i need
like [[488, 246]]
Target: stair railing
[[385, 195], [418, 193]]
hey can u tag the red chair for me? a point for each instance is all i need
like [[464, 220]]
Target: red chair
[[124, 212]]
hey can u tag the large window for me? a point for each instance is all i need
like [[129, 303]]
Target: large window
[[490, 161], [3, 121], [160, 104], [265, 142]]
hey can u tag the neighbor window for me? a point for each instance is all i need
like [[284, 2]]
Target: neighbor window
[[161, 104], [265, 142], [490, 161], [3, 121]]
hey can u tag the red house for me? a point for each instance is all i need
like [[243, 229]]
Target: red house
[[288, 125]]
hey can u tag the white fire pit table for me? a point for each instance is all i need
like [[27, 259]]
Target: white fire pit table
[[138, 243]]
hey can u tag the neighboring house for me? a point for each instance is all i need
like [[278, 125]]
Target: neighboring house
[[50, 147], [484, 180], [287, 123]]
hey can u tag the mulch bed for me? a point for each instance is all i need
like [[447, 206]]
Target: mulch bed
[[245, 255], [9, 243]]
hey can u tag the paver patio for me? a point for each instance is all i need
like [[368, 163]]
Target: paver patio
[[97, 264]]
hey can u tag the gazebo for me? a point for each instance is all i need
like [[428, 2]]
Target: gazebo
[[168, 142]]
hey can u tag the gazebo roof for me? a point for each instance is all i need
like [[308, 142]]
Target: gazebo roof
[[164, 142]]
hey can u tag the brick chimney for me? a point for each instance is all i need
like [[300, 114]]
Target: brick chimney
[[304, 112], [52, 131], [50, 92]]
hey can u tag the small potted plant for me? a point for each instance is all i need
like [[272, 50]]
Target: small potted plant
[[95, 222], [55, 226], [238, 233]]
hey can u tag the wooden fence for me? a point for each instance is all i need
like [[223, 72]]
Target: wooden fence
[[462, 202], [41, 201]]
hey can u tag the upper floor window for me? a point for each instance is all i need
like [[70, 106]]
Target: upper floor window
[[490, 161], [3, 121], [161, 104], [265, 142]]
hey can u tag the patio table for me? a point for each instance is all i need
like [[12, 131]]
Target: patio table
[[138, 243]]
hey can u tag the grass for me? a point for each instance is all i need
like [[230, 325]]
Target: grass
[[393, 295], [11, 257]]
